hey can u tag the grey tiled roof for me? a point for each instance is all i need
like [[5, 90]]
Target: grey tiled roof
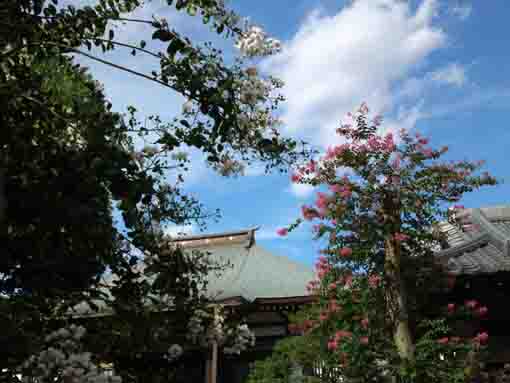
[[253, 273], [483, 249]]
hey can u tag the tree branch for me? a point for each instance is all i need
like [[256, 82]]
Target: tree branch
[[120, 67], [127, 46]]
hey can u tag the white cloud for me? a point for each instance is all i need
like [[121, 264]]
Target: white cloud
[[301, 190], [334, 63], [462, 11], [453, 74]]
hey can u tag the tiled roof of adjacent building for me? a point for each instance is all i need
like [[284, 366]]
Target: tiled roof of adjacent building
[[482, 246]]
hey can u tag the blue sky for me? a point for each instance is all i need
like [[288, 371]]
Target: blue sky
[[440, 67]]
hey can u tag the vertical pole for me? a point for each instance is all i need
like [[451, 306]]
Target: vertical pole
[[214, 364], [211, 366], [208, 366]]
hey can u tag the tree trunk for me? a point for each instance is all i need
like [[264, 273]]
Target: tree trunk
[[396, 299], [395, 289]]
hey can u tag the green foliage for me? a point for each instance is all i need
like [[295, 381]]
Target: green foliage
[[290, 357], [67, 161]]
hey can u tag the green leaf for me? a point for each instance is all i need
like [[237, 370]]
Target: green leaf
[[174, 47], [163, 35], [192, 10]]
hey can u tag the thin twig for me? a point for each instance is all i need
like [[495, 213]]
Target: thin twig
[[127, 46], [122, 68]]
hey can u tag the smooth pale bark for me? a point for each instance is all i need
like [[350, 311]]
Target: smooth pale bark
[[396, 299], [395, 291]]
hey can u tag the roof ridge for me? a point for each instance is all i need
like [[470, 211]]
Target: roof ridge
[[216, 235]]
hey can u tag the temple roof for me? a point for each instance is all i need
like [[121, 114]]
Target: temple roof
[[256, 273], [253, 275], [253, 272], [482, 246]]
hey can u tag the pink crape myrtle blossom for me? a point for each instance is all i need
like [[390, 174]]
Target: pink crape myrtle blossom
[[311, 166], [296, 177], [401, 237], [345, 252], [323, 316], [309, 213], [332, 345], [369, 219], [343, 334], [336, 188], [282, 232], [322, 200], [333, 306], [482, 311], [374, 280], [482, 338], [389, 143]]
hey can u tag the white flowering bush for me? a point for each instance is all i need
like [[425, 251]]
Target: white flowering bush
[[242, 338], [63, 360], [253, 90], [174, 352], [205, 327], [254, 42]]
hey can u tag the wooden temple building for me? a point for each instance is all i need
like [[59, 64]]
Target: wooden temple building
[[268, 287], [261, 287], [264, 286], [478, 253]]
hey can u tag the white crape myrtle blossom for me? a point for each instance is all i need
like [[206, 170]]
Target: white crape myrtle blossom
[[253, 90], [63, 360], [206, 328], [174, 352], [228, 166], [254, 42], [243, 338]]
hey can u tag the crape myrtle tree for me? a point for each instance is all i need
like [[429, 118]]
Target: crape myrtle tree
[[374, 319], [66, 160]]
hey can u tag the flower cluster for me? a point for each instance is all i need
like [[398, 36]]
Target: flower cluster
[[64, 358], [198, 329], [369, 216], [241, 338], [174, 352], [253, 90], [322, 267], [471, 307], [254, 42], [207, 327]]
